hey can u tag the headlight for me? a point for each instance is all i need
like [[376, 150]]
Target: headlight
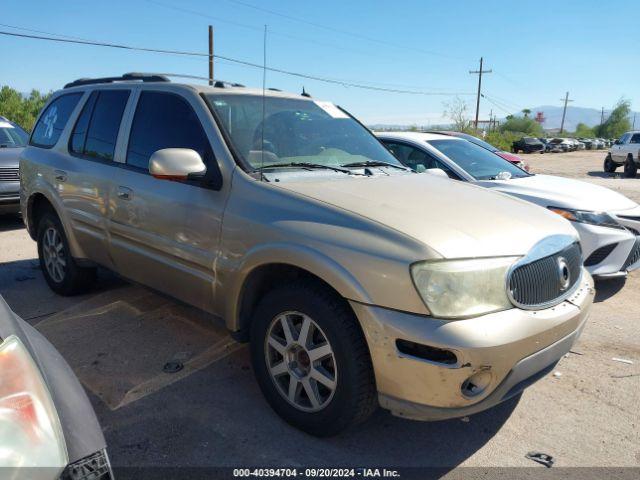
[[601, 219], [463, 288], [30, 432]]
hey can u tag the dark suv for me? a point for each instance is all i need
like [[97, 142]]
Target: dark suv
[[528, 145]]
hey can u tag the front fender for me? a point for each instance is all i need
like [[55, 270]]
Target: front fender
[[300, 256]]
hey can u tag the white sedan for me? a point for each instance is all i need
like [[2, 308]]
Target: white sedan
[[608, 222]]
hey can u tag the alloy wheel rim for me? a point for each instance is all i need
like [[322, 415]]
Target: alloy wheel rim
[[53, 253], [301, 361]]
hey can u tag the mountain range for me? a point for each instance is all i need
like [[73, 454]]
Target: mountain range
[[575, 115]]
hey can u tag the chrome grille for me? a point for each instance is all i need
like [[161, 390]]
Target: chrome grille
[[538, 283], [634, 256], [9, 174]]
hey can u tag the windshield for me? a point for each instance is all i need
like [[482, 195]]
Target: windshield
[[12, 135], [295, 131], [479, 142], [477, 161], [531, 141]]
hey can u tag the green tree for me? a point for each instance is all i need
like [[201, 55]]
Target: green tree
[[526, 112], [524, 125], [617, 123], [583, 131], [21, 109]]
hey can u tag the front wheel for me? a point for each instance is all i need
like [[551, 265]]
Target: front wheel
[[609, 165], [630, 168], [60, 270], [311, 359]]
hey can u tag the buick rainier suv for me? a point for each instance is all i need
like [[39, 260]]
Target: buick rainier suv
[[357, 282]]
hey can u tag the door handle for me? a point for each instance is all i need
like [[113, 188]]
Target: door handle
[[125, 193], [60, 175]]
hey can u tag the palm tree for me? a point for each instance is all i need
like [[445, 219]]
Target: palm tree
[[526, 112]]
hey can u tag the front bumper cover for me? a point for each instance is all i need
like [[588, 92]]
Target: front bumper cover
[[515, 347]]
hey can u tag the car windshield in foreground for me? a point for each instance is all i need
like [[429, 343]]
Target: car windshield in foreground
[[477, 161], [12, 135], [480, 143], [296, 133]]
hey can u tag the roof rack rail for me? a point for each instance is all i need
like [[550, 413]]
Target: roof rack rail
[[223, 84], [143, 77]]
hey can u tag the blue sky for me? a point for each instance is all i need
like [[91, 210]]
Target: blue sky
[[537, 50]]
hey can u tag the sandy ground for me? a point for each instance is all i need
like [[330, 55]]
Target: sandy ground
[[214, 415]]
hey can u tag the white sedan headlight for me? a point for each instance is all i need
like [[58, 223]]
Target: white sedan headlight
[[463, 288], [30, 431]]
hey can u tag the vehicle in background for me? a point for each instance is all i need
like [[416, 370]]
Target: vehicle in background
[[599, 143], [528, 145], [559, 145], [12, 140], [545, 142], [588, 143], [625, 151], [343, 269], [510, 157], [608, 222], [47, 424]]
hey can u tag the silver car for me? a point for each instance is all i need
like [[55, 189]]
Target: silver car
[[356, 281], [12, 140]]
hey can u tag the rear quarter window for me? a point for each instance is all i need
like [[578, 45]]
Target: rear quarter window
[[53, 120]]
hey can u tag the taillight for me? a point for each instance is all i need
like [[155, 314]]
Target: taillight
[[30, 431]]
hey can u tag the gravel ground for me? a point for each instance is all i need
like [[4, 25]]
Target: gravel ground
[[587, 416]]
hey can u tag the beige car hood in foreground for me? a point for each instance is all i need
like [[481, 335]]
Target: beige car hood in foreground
[[456, 219]]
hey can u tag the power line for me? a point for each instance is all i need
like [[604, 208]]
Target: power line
[[337, 30], [229, 59]]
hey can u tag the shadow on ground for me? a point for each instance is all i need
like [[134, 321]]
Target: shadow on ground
[[606, 289], [10, 222], [606, 175]]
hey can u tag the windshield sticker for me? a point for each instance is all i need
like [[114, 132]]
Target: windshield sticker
[[331, 109], [5, 125], [49, 121]]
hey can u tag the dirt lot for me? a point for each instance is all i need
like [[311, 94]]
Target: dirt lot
[[212, 414]]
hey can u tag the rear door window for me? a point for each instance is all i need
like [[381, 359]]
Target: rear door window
[[96, 131], [53, 120], [635, 138]]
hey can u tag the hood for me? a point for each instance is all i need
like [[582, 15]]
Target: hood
[[456, 219], [509, 156], [550, 191], [9, 157]]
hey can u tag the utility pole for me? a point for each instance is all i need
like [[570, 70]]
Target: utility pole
[[634, 122], [564, 111], [210, 55], [602, 116], [479, 73]]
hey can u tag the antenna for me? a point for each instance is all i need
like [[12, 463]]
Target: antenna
[[264, 86]]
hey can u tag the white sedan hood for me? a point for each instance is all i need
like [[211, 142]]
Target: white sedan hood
[[551, 191]]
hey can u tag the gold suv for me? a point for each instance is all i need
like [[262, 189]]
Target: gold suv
[[357, 282]]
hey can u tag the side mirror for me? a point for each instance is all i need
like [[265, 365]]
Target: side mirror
[[438, 172], [176, 164]]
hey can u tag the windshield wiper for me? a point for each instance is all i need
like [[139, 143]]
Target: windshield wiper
[[373, 163], [304, 165]]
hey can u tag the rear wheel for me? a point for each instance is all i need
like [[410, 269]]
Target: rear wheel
[[609, 165], [311, 360], [630, 168], [60, 270]]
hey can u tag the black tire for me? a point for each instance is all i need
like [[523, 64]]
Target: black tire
[[354, 398], [630, 168], [609, 165], [75, 279]]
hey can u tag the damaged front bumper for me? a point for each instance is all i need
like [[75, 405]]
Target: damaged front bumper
[[431, 369]]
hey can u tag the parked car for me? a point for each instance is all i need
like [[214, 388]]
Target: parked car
[[588, 143], [528, 145], [48, 427], [599, 143], [12, 141], [625, 151], [560, 145], [515, 159], [545, 142], [608, 222], [288, 219]]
